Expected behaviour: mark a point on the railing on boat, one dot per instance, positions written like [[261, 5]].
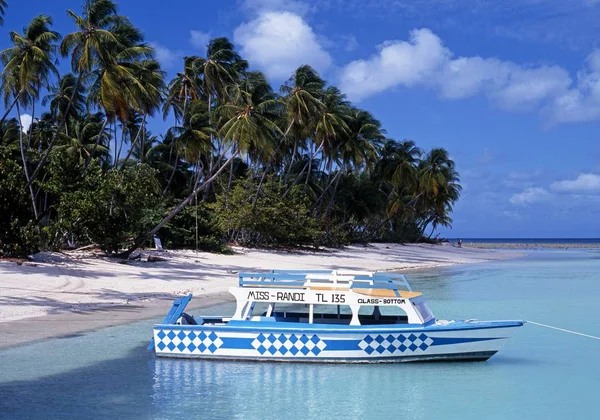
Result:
[[313, 279]]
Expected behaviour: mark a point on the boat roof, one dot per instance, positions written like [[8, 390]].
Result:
[[368, 283]]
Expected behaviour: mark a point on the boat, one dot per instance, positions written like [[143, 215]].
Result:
[[327, 316]]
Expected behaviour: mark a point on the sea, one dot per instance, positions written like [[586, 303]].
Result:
[[532, 241], [541, 373]]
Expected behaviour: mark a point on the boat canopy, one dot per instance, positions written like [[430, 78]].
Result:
[[329, 287]]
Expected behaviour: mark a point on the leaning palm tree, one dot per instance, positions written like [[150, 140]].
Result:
[[246, 127]]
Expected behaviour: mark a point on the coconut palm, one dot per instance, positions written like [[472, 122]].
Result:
[[302, 98], [66, 95], [94, 41], [90, 47], [80, 142], [185, 87], [438, 182], [358, 148], [29, 63]]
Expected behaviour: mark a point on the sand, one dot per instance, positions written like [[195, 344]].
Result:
[[59, 294]]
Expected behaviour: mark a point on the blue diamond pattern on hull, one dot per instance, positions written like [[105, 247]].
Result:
[[394, 343], [186, 341], [285, 344]]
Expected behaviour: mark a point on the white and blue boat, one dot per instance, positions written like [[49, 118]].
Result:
[[327, 316]]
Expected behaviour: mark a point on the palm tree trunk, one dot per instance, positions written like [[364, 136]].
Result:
[[100, 134], [299, 175], [143, 238], [332, 199], [118, 152], [310, 159], [134, 142], [328, 185], [172, 175], [292, 160], [24, 159], [29, 130], [56, 132]]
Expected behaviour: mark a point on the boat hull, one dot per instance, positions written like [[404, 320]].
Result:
[[269, 341]]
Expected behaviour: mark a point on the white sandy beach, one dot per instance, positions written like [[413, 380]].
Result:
[[74, 282]]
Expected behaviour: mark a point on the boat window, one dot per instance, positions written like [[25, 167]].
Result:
[[260, 308], [332, 314], [424, 310], [369, 315]]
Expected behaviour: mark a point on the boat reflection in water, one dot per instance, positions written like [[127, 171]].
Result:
[[230, 389]]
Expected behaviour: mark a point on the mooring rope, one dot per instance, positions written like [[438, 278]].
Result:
[[562, 329]]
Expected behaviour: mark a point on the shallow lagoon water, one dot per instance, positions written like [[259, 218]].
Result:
[[540, 374]]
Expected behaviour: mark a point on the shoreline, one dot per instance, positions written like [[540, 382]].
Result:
[[64, 294], [526, 246]]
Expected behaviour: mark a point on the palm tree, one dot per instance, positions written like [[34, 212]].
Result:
[[185, 87], [358, 149], [438, 182], [80, 142], [67, 95], [90, 47], [398, 162], [246, 128], [250, 120], [129, 82], [303, 93], [28, 67], [220, 69], [29, 63]]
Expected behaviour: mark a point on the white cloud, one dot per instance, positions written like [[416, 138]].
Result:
[[530, 196], [424, 60], [279, 42], [396, 63], [582, 101], [26, 120], [199, 39], [584, 183], [165, 56]]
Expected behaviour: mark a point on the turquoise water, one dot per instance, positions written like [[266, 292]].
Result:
[[540, 374]]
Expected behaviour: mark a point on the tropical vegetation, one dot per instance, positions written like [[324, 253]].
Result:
[[240, 162]]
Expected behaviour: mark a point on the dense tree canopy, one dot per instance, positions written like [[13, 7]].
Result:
[[240, 162]]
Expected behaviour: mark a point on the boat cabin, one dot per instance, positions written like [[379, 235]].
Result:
[[329, 297]]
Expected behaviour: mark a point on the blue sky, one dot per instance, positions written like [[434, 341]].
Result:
[[511, 89]]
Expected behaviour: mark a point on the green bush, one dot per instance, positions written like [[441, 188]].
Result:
[[111, 209], [19, 235], [180, 232], [273, 221]]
